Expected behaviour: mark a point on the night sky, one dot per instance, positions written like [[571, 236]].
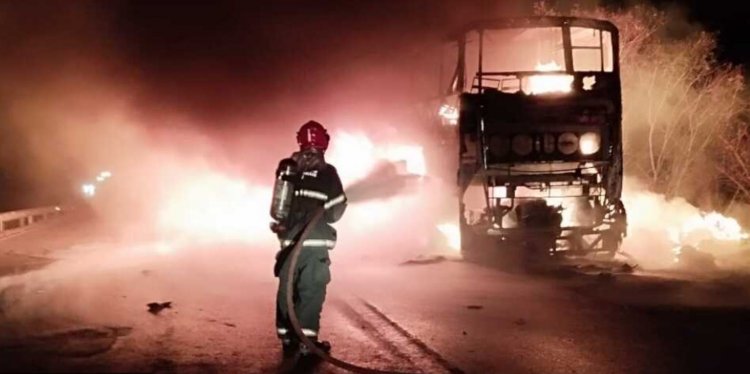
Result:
[[208, 57], [241, 33], [222, 60], [730, 19], [168, 30]]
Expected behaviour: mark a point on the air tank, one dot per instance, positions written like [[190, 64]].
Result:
[[283, 189]]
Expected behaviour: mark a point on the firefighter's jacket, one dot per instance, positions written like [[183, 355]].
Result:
[[313, 189]]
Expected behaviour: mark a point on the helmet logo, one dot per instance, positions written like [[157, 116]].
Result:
[[313, 135]]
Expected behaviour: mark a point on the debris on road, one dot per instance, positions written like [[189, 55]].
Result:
[[155, 308], [627, 268], [474, 307], [520, 322], [425, 260]]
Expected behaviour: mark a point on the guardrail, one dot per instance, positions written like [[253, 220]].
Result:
[[18, 221]]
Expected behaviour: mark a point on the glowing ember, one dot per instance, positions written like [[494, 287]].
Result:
[[549, 83], [452, 234]]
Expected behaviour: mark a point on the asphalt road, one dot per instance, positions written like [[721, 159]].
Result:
[[73, 299]]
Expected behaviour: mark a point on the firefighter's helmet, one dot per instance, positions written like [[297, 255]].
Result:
[[313, 135]]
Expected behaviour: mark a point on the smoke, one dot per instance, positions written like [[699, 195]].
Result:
[[48, 77], [679, 100], [191, 109], [191, 119]]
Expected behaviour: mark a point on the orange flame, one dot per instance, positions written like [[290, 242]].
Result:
[[449, 113], [549, 83], [452, 235]]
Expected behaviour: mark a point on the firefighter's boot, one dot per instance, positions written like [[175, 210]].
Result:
[[289, 346], [322, 345]]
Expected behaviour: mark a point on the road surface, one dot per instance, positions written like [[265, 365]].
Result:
[[73, 299]]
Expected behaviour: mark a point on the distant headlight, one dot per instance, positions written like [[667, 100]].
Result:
[[567, 143], [522, 145], [590, 143]]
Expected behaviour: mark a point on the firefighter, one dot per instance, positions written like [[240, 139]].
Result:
[[316, 184]]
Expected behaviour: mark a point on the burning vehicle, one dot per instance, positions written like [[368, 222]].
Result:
[[532, 109]]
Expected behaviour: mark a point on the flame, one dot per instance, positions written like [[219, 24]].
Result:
[[718, 226], [659, 227], [355, 155], [449, 113], [452, 234], [549, 83], [352, 154], [411, 155], [550, 66], [209, 206], [568, 212], [701, 227]]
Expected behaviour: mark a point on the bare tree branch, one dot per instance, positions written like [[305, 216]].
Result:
[[682, 114]]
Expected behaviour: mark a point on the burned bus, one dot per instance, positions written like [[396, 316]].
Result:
[[534, 108]]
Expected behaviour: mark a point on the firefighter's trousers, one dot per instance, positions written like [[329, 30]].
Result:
[[311, 279]]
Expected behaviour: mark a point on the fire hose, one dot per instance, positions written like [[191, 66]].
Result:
[[293, 256]]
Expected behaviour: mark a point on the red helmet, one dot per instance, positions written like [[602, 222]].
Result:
[[313, 135]]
